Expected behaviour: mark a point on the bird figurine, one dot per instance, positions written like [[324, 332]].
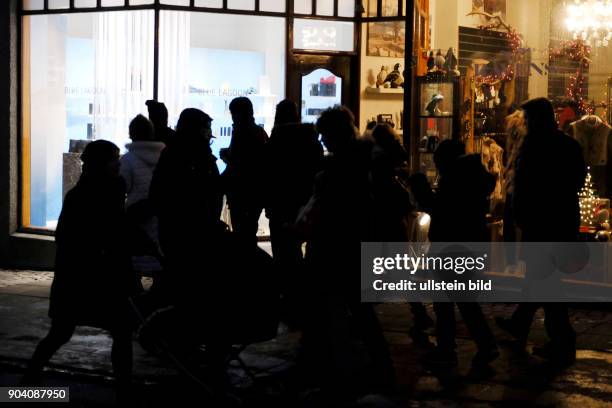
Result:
[[440, 61], [431, 62], [451, 62], [395, 78], [382, 75], [433, 107]]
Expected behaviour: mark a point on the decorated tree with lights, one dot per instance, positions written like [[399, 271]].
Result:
[[588, 201]]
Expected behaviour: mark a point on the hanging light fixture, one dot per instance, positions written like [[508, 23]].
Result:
[[590, 21]]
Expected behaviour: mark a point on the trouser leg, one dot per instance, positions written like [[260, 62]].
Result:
[[559, 328], [121, 354], [522, 318], [479, 329], [59, 334], [445, 325]]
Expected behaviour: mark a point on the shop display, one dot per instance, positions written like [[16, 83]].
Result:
[[382, 75], [438, 119], [321, 89], [433, 107], [595, 137], [395, 78]]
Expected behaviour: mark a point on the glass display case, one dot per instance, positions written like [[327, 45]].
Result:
[[321, 89], [437, 120]]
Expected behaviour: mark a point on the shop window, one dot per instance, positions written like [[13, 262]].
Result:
[[140, 2], [113, 3], [85, 76], [346, 8], [209, 3], [59, 4], [245, 57], [272, 5], [33, 4], [325, 7], [84, 3], [176, 2], [388, 8], [241, 4], [302, 7], [323, 35]]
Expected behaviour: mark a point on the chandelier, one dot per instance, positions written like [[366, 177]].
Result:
[[590, 21]]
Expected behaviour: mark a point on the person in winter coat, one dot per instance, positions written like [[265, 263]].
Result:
[[294, 157], [341, 219], [458, 214], [393, 205], [93, 278], [244, 177], [186, 197], [550, 167], [137, 167]]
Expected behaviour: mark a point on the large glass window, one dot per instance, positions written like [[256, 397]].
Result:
[[85, 76], [323, 35]]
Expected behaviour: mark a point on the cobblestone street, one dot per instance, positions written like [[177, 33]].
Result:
[[84, 363]]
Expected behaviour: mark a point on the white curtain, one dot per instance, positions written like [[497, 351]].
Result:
[[174, 43], [123, 71]]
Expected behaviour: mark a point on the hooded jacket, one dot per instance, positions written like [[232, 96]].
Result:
[[137, 168]]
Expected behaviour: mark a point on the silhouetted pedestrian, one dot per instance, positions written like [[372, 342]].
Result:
[[340, 216], [550, 167], [244, 178], [137, 167], [158, 115], [393, 205], [93, 277], [187, 197], [459, 215], [294, 157]]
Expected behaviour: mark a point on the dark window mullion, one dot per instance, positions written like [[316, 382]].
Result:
[[256, 5], [314, 8], [335, 8], [224, 5], [46, 4]]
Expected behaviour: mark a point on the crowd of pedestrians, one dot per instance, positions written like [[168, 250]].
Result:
[[159, 207]]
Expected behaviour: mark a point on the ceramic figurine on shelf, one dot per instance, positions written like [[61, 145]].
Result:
[[382, 75], [440, 61], [431, 62], [451, 62], [395, 78], [433, 107]]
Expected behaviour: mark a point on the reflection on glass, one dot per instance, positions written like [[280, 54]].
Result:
[[321, 89], [86, 82]]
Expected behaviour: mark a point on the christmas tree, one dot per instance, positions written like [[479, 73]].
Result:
[[588, 201]]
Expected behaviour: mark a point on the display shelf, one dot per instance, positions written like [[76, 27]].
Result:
[[381, 91]]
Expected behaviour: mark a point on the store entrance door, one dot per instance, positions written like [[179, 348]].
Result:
[[317, 82]]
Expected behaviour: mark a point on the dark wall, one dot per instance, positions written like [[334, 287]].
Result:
[[8, 124]]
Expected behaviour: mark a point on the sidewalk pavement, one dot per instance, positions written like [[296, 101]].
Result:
[[84, 363]]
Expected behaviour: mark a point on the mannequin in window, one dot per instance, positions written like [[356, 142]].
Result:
[[595, 137]]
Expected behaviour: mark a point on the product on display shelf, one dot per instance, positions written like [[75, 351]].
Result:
[[395, 78], [433, 107], [382, 75]]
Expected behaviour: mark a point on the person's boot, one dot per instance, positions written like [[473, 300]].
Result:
[[441, 357], [485, 356]]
